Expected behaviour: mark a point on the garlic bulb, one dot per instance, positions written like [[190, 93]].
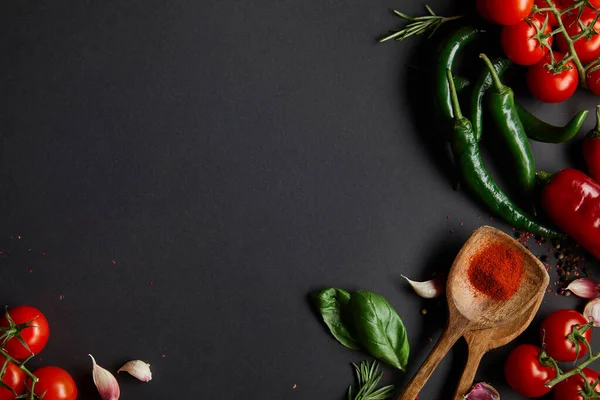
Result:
[[592, 311]]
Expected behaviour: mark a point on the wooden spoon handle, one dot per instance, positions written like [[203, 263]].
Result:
[[477, 349], [444, 344]]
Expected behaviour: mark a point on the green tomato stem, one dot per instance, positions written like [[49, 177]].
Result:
[[570, 42], [560, 376], [21, 365]]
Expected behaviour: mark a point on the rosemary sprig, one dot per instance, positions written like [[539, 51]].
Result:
[[419, 25], [368, 378]]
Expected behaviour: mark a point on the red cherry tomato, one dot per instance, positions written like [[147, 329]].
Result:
[[483, 11], [519, 44], [592, 80], [552, 21], [36, 335], [56, 383], [587, 49], [554, 331], [569, 388], [14, 377], [525, 374], [505, 12], [548, 86]]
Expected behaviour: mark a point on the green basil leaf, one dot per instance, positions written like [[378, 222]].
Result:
[[333, 305], [379, 328]]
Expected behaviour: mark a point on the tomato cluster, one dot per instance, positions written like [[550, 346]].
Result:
[[527, 368], [26, 332], [528, 39]]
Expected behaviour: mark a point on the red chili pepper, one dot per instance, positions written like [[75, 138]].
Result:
[[591, 149], [572, 200]]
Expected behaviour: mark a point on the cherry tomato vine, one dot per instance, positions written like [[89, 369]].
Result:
[[585, 31], [24, 332], [577, 336], [532, 371], [529, 30], [10, 334]]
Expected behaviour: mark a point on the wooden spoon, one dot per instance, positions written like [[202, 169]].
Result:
[[481, 341], [470, 310]]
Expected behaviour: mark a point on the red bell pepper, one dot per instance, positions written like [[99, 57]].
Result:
[[591, 149], [572, 200]]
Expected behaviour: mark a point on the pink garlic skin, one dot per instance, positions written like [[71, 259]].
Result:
[[105, 382], [482, 391], [585, 288]]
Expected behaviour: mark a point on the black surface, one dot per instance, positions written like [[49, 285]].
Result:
[[184, 173]]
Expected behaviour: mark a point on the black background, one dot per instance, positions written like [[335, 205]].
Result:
[[177, 176]]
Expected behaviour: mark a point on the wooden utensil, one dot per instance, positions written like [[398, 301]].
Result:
[[481, 341], [470, 310]]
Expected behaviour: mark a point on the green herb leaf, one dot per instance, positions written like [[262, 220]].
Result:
[[368, 378], [379, 328], [333, 305]]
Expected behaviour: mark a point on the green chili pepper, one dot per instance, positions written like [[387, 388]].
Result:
[[445, 58], [480, 88], [476, 177], [501, 101], [535, 128], [543, 132]]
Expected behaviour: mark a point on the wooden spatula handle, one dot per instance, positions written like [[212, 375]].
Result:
[[476, 351], [450, 335]]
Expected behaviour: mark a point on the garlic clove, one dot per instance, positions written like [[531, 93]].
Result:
[[585, 288], [592, 311], [482, 391], [428, 289], [105, 382], [138, 369]]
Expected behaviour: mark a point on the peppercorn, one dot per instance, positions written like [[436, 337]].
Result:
[[562, 274]]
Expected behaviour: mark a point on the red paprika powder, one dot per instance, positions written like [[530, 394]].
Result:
[[496, 271]]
